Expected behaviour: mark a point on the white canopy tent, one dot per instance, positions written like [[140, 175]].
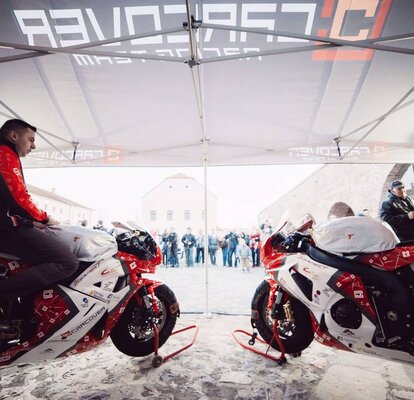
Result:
[[309, 81], [197, 82]]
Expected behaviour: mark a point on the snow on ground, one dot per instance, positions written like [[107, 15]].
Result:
[[216, 367]]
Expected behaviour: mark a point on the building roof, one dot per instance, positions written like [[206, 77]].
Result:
[[53, 196], [179, 175]]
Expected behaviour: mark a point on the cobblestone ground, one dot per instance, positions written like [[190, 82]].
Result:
[[216, 367]]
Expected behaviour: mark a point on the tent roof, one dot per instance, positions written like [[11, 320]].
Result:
[[118, 83]]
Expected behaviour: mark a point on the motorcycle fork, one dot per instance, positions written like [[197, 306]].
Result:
[[280, 310], [147, 298]]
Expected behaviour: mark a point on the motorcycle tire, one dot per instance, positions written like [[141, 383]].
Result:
[[295, 337], [133, 334]]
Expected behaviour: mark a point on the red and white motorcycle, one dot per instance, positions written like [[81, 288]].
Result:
[[349, 284], [108, 296]]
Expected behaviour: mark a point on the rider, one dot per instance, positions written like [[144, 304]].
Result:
[[22, 223]]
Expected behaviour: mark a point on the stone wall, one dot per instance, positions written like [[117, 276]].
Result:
[[361, 186]]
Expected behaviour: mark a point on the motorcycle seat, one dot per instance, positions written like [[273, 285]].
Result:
[[335, 261]]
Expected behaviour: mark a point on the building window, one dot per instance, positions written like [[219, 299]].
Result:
[[187, 215], [153, 215], [169, 215], [203, 214]]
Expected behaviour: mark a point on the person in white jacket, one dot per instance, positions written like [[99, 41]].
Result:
[[244, 254]]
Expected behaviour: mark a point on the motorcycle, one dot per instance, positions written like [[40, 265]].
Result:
[[359, 301], [107, 296]]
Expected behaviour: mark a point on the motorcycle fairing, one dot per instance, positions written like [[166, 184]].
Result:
[[323, 296], [70, 315], [324, 278], [389, 260]]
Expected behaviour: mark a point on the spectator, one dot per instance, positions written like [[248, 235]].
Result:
[[200, 247], [164, 247], [233, 242], [398, 211], [99, 226], [212, 246], [244, 255], [224, 246], [266, 230], [189, 241], [172, 244], [255, 245]]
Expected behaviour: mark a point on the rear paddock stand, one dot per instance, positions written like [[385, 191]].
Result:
[[253, 338], [159, 360]]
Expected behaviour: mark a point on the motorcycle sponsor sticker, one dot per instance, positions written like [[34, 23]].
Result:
[[327, 291], [108, 286], [40, 335], [85, 302], [48, 294], [5, 358], [100, 296], [316, 298], [13, 265], [66, 312], [406, 254], [112, 270], [358, 294], [83, 324], [133, 265], [25, 344]]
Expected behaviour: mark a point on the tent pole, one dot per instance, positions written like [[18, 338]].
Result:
[[196, 72], [206, 252]]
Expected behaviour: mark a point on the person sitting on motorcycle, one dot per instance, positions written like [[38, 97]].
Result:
[[22, 223], [398, 211]]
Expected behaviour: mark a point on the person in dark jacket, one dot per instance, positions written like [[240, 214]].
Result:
[[172, 243], [398, 211], [233, 240], [22, 223], [189, 241]]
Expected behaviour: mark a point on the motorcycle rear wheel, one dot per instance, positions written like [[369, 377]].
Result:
[[295, 336], [133, 334]]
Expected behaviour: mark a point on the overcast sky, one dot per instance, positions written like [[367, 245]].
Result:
[[242, 192]]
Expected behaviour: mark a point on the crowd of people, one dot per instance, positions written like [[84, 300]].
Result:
[[228, 248]]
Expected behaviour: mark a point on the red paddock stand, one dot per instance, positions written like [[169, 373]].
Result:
[[253, 337], [158, 360]]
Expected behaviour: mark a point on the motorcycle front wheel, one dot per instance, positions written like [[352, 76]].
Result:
[[295, 329], [134, 335]]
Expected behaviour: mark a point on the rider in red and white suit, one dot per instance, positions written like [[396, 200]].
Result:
[[22, 223]]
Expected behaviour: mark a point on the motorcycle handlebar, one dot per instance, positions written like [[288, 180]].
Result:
[[297, 242]]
